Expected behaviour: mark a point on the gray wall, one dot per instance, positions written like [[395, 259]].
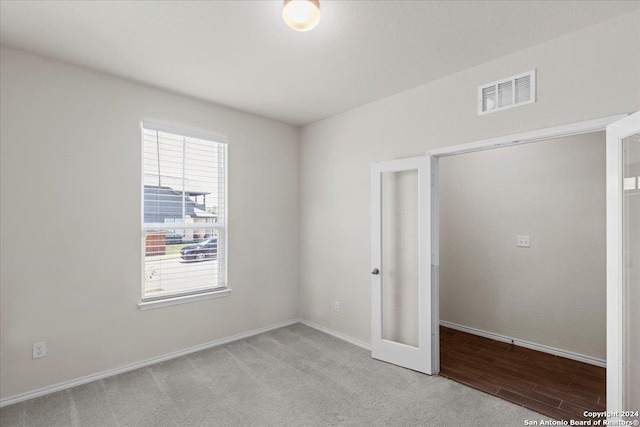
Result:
[[71, 200], [553, 293], [585, 75]]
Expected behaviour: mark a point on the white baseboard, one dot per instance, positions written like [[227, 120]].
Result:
[[533, 346], [132, 366], [136, 365], [336, 334]]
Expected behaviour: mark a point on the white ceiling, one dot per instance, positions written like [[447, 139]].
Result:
[[241, 54]]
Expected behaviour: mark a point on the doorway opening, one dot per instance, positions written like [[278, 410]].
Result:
[[522, 263], [389, 281], [523, 273]]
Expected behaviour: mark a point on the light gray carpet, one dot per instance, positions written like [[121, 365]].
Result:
[[294, 376]]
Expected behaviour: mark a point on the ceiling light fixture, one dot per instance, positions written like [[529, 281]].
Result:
[[301, 15]]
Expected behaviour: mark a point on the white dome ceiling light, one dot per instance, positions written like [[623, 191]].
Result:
[[301, 15]]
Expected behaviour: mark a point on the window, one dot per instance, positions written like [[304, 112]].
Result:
[[184, 218]]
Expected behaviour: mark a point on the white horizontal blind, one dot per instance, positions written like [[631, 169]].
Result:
[[184, 214]]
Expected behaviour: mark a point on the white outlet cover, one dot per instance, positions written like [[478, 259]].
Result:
[[39, 350], [523, 242]]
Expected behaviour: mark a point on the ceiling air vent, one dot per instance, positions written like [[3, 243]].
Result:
[[507, 93]]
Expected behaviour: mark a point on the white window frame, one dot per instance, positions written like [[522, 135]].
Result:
[[188, 295]]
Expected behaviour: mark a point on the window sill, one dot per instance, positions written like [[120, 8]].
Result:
[[148, 305]]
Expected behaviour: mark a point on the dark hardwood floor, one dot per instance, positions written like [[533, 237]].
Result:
[[551, 385]]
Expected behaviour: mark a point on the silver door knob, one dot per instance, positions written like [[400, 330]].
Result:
[[375, 271]]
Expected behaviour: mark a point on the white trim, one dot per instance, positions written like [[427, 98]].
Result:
[[527, 344], [136, 365], [339, 335], [143, 239], [528, 137], [616, 304], [185, 131], [183, 299]]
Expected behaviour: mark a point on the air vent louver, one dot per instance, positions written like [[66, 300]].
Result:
[[488, 98], [507, 93], [523, 89]]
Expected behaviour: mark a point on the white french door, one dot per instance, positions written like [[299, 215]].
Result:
[[402, 324]]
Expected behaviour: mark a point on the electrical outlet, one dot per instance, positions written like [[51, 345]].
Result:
[[39, 350], [523, 242], [336, 306]]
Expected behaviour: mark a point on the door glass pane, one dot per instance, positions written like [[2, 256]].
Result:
[[631, 257], [400, 202]]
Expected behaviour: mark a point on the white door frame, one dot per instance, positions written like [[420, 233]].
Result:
[[616, 307], [418, 358], [614, 303]]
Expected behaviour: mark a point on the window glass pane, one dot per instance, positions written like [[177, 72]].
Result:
[[183, 178], [172, 266], [184, 235], [631, 253], [400, 264]]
